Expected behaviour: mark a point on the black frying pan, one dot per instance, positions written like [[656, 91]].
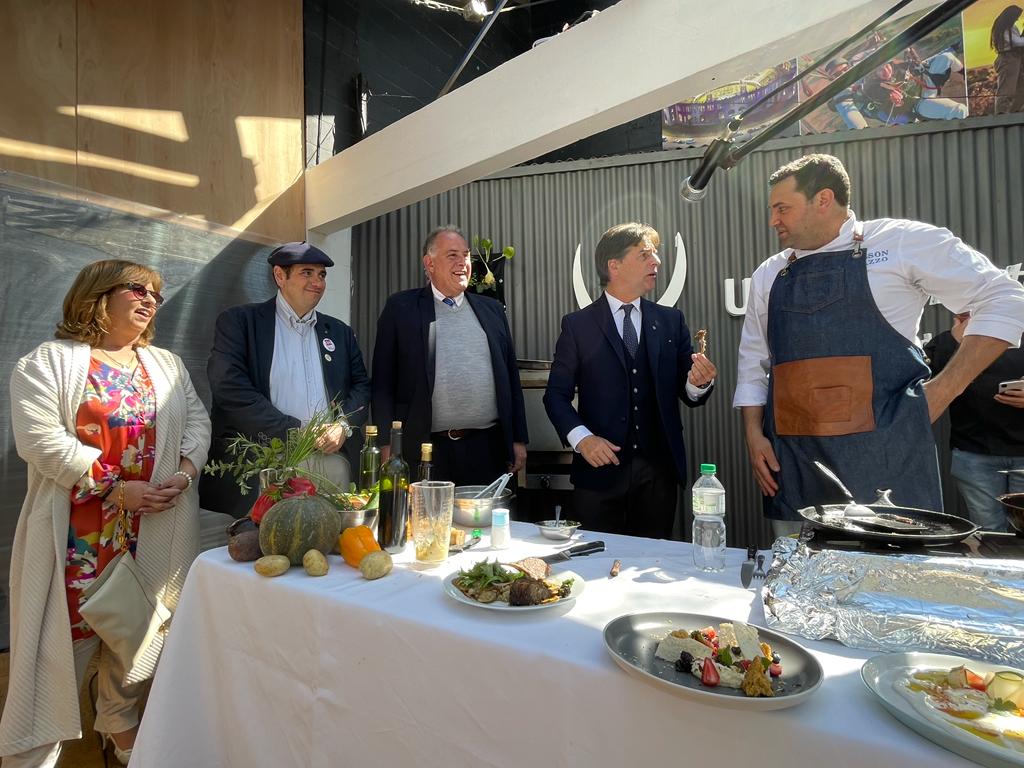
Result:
[[891, 525]]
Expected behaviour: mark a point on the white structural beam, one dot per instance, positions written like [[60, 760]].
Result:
[[637, 57]]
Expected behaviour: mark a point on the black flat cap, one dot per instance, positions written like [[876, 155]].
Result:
[[298, 253]]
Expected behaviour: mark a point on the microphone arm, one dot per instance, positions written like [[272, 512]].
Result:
[[722, 153], [694, 187]]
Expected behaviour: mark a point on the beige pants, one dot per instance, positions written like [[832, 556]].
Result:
[[117, 706]]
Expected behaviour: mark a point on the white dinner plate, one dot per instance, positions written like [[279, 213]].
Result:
[[633, 640], [574, 591], [879, 673]]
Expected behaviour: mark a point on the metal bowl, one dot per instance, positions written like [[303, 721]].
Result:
[[561, 530], [1013, 503], [350, 518], [476, 513]]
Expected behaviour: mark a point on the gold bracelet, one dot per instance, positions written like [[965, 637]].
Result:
[[122, 513]]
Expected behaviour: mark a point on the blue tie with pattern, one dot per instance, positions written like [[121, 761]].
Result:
[[628, 331], [449, 301]]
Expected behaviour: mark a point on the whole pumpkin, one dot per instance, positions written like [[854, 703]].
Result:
[[298, 524]]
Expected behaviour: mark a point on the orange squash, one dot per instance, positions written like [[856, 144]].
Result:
[[355, 543]]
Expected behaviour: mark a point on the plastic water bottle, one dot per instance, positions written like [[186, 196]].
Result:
[[708, 521]]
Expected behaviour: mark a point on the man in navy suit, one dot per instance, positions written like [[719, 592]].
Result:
[[631, 362], [445, 366], [274, 365]]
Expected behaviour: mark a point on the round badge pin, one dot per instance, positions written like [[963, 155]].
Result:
[[328, 345], [327, 358]]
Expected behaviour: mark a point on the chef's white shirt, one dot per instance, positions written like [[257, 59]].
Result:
[[297, 385], [907, 262]]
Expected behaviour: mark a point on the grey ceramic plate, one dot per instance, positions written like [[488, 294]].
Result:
[[880, 672], [632, 641]]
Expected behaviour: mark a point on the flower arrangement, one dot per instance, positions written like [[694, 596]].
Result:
[[485, 263]]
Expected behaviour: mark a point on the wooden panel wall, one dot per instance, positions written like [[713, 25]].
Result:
[[37, 60], [194, 107]]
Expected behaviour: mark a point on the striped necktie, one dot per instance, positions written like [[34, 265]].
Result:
[[449, 301]]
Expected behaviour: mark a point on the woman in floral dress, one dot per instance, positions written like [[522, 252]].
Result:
[[114, 435]]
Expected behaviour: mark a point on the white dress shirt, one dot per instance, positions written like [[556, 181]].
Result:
[[907, 262], [297, 385], [458, 299], [618, 316]]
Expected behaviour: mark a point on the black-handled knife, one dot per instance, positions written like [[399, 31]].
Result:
[[579, 550]]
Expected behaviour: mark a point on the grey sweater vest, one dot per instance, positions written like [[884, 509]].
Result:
[[464, 396]]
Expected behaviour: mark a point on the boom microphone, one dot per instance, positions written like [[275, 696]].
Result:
[[694, 186]]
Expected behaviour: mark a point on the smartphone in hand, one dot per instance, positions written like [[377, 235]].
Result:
[[1011, 386]]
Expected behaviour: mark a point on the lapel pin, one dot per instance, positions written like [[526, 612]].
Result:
[[328, 345], [327, 358]]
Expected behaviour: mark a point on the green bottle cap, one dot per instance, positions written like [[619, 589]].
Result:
[[708, 468]]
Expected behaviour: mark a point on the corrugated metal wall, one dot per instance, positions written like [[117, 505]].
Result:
[[966, 176]]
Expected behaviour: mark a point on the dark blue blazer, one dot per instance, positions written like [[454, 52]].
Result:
[[239, 375], [590, 361], [403, 377]]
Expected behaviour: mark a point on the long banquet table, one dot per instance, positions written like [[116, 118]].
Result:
[[340, 671]]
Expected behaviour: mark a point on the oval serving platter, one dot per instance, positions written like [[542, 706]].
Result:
[[633, 639]]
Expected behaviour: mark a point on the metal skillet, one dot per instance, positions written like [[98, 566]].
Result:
[[891, 524]]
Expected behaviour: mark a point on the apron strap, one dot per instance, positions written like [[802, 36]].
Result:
[[858, 239]]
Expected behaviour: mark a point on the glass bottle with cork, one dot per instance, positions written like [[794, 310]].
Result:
[[393, 517], [369, 461], [426, 469]]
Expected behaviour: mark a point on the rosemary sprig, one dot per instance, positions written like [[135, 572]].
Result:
[[250, 457]]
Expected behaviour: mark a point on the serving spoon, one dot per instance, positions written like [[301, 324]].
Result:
[[853, 509]]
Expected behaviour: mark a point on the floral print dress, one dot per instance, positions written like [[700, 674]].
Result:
[[117, 415]]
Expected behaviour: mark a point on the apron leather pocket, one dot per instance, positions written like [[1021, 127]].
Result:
[[823, 396]]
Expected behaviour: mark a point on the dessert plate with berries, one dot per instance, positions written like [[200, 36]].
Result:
[[721, 662]]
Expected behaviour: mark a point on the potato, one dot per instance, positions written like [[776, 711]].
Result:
[[245, 547], [375, 565], [272, 565], [315, 563]]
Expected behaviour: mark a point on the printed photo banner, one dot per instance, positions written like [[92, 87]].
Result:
[[953, 72]]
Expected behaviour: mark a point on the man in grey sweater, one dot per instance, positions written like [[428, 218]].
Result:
[[445, 366]]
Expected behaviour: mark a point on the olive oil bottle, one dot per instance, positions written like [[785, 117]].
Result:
[[392, 528], [369, 461], [426, 470]]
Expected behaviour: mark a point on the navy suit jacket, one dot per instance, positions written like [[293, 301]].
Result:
[[403, 377], [590, 360], [239, 375]]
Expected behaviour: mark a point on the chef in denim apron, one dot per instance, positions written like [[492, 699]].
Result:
[[829, 369], [845, 389]]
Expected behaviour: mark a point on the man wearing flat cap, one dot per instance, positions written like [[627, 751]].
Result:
[[274, 365]]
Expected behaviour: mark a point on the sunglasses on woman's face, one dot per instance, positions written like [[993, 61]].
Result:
[[141, 292]]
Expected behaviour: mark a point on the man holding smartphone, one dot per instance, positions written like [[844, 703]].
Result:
[[987, 428]]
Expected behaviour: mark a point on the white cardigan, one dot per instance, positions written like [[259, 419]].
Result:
[[46, 389]]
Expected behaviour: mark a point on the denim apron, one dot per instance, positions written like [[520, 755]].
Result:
[[845, 389]]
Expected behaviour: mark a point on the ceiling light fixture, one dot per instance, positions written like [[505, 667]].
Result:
[[475, 10]]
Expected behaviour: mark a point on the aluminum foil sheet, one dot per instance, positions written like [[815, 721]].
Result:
[[966, 606]]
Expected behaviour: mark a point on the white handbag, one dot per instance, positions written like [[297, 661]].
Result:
[[122, 613]]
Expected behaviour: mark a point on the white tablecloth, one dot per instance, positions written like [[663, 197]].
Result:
[[339, 671]]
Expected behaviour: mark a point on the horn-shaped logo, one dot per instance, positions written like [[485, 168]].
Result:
[[668, 299]]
